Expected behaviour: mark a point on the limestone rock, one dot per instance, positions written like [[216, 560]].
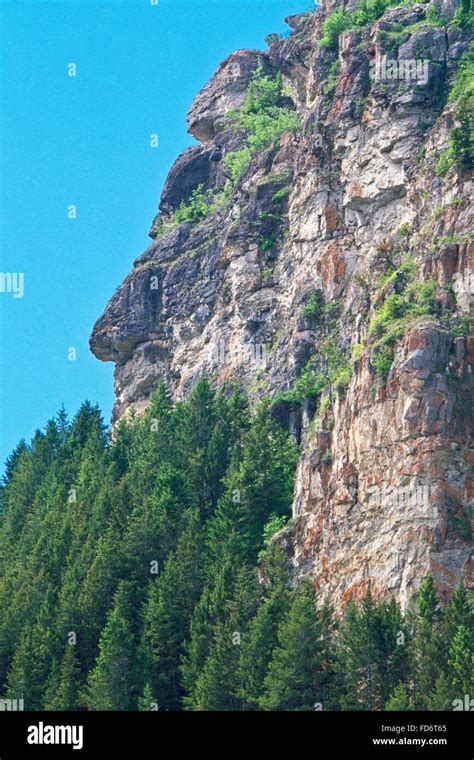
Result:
[[225, 92], [384, 489]]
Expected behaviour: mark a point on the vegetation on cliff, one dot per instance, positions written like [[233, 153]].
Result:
[[263, 117], [461, 148]]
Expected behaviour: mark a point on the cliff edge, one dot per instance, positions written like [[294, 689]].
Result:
[[316, 247]]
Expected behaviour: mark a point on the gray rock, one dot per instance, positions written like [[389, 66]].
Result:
[[315, 212]]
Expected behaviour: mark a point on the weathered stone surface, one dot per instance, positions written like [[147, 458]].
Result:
[[225, 92], [384, 511], [385, 480]]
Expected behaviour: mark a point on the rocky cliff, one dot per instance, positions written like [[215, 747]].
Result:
[[333, 274]]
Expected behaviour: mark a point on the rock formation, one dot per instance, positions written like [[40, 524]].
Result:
[[323, 222]]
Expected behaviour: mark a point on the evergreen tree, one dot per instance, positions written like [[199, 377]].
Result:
[[33, 656], [397, 639], [427, 644], [258, 646], [459, 612], [218, 684], [97, 591], [399, 700], [461, 660], [63, 687], [155, 523], [195, 434], [13, 461], [21, 682], [259, 483], [297, 675], [86, 426], [168, 610], [371, 661], [146, 701], [208, 613], [442, 696], [112, 682]]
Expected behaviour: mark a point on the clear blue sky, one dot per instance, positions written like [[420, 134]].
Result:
[[85, 141]]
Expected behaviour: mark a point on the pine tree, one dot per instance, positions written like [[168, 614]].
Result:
[[155, 524], [63, 689], [197, 427], [33, 655], [259, 644], [426, 648], [218, 684], [168, 610], [147, 701], [259, 483], [461, 661], [193, 486], [266, 472], [13, 461], [459, 612], [21, 682], [97, 590], [442, 696], [399, 700], [208, 613], [62, 425], [111, 684], [297, 678], [370, 661], [392, 657], [232, 419], [86, 426]]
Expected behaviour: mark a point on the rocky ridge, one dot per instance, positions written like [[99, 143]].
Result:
[[288, 278]]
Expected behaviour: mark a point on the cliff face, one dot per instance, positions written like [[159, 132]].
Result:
[[297, 270]]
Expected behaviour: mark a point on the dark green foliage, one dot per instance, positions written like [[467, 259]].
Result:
[[299, 671], [459, 627], [168, 610], [426, 650], [262, 637], [373, 653], [13, 461], [112, 682], [61, 692], [128, 577], [459, 612], [219, 682]]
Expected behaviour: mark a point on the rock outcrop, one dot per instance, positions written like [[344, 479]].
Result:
[[384, 489]]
